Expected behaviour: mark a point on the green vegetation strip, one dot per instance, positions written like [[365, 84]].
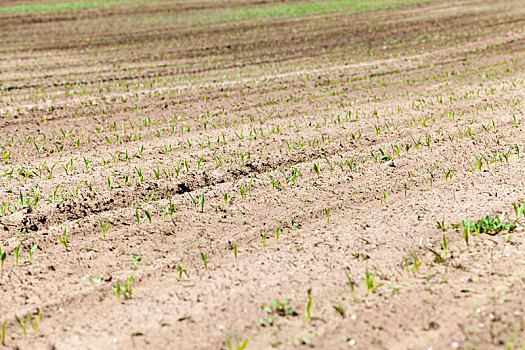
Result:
[[273, 11], [53, 7], [305, 8]]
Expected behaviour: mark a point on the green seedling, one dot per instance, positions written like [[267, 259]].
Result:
[[339, 309], [317, 168], [235, 251], [105, 227], [466, 231], [198, 203], [148, 215], [327, 213], [17, 253], [77, 190], [137, 216], [489, 225], [330, 166], [94, 280], [3, 257], [181, 269], [87, 161], [352, 285], [309, 308], [128, 287], [2, 334], [275, 182], [21, 199], [125, 292], [140, 174], [448, 174], [370, 281], [237, 344], [277, 234], [242, 191], [518, 210], [445, 245], [36, 322], [264, 236], [445, 225], [65, 238], [280, 308], [270, 321], [227, 199], [117, 291], [31, 251], [24, 324], [383, 197], [205, 259], [55, 193], [28, 321], [437, 257], [110, 183], [415, 260], [171, 209]]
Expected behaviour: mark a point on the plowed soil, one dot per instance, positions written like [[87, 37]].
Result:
[[291, 174]]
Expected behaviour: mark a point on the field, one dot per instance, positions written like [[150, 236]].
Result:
[[219, 174]]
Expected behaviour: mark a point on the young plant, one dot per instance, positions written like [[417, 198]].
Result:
[[327, 213], [317, 168], [117, 291], [383, 197], [415, 260], [519, 210], [277, 234], [2, 334], [370, 281], [110, 183], [437, 256], [24, 325], [205, 259], [140, 174], [352, 285], [309, 308], [3, 257], [128, 287], [490, 225], [125, 292], [137, 216], [148, 215], [171, 209], [36, 322], [264, 236], [466, 231], [237, 344], [31, 251], [445, 246], [275, 182], [105, 227], [198, 203], [65, 238], [280, 308], [17, 253]]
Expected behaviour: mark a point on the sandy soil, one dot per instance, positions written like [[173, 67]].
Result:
[[223, 180]]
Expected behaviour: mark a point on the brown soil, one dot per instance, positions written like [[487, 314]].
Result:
[[392, 107]]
